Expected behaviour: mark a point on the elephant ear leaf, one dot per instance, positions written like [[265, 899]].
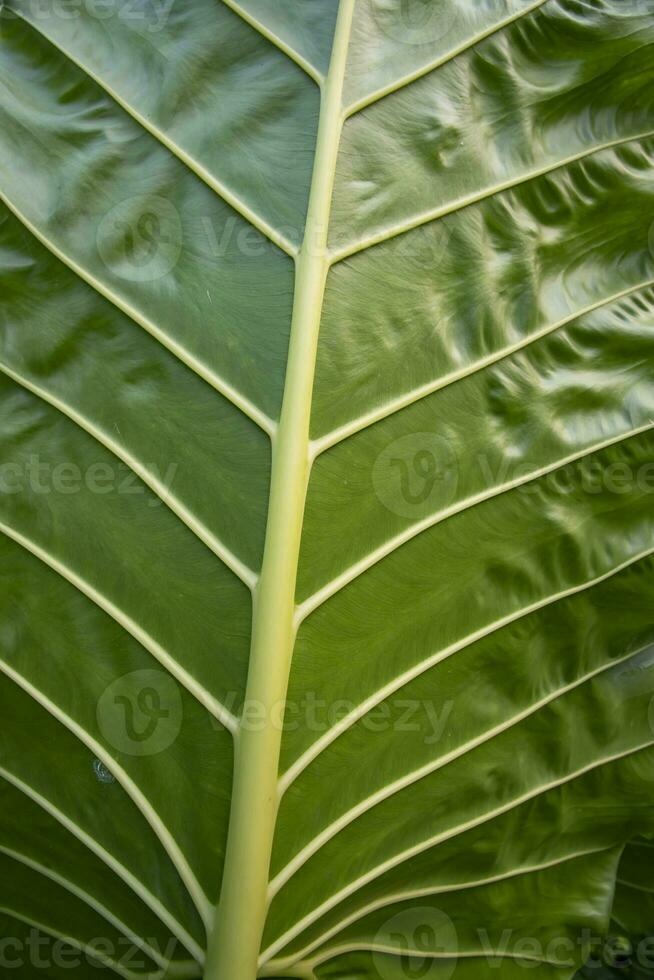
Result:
[[326, 526]]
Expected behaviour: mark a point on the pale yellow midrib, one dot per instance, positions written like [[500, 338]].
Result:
[[235, 939]]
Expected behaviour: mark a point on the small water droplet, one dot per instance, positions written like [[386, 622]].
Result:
[[102, 774]]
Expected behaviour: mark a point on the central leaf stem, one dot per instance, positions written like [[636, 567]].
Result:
[[235, 940]]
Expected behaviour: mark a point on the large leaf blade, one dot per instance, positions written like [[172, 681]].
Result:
[[491, 319]]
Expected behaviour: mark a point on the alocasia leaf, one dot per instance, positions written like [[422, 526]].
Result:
[[327, 552]]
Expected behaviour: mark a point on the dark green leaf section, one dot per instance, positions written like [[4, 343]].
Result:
[[499, 684], [470, 723], [131, 218], [31, 836], [627, 950], [127, 706], [48, 764], [393, 967], [31, 950], [71, 347], [475, 640], [122, 543], [512, 846], [399, 927], [633, 905], [45, 904]]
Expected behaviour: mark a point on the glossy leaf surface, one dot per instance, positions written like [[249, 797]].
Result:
[[327, 438]]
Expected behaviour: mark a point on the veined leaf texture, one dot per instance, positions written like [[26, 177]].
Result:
[[326, 490]]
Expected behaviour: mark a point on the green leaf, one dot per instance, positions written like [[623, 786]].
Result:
[[628, 949], [327, 553]]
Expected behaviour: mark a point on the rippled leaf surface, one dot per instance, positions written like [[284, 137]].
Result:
[[627, 951], [326, 524]]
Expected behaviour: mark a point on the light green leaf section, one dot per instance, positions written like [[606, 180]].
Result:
[[326, 482]]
